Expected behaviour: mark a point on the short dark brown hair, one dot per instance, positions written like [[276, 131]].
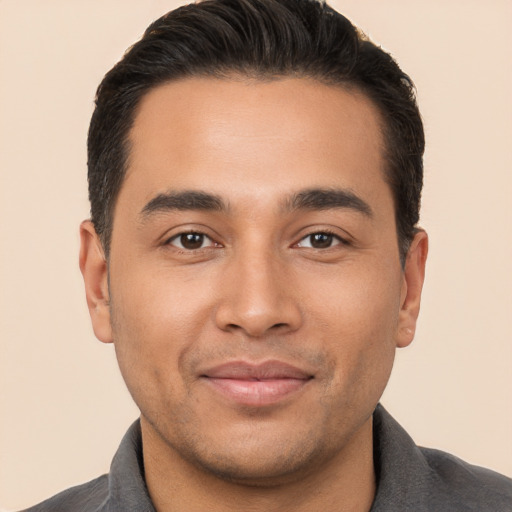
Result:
[[259, 39]]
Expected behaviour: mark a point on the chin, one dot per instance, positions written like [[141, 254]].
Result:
[[257, 458], [254, 471]]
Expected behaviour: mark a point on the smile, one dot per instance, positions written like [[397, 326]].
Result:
[[256, 385]]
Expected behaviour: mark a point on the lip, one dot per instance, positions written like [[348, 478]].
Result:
[[256, 385]]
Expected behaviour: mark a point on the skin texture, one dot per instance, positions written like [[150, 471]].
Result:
[[256, 288]]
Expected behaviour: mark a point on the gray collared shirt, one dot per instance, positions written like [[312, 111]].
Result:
[[410, 479]]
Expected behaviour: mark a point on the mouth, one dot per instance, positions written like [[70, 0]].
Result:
[[256, 384]]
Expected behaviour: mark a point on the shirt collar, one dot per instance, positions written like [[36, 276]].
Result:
[[127, 487]]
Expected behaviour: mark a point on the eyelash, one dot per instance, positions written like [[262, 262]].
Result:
[[331, 237], [180, 236]]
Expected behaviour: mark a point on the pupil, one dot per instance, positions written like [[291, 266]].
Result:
[[321, 240], [192, 240]]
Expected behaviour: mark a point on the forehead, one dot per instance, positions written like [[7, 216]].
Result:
[[267, 135]]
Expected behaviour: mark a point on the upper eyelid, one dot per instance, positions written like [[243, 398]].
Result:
[[323, 231], [188, 232], [184, 230]]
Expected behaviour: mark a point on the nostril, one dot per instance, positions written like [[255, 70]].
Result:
[[236, 327], [256, 319]]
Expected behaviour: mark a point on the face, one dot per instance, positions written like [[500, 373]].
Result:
[[255, 295]]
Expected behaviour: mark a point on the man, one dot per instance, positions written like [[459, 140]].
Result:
[[255, 172]]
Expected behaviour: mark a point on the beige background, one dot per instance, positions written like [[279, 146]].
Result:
[[63, 404]]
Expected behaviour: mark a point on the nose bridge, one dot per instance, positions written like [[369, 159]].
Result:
[[256, 297]]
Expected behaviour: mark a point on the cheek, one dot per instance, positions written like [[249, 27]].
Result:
[[359, 320], [155, 322], [362, 302], [159, 303]]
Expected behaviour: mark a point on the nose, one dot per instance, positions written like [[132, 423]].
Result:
[[258, 297]]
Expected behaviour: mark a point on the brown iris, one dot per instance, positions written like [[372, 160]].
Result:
[[321, 240], [192, 240]]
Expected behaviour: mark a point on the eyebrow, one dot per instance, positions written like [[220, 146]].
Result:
[[328, 198], [183, 200], [309, 199]]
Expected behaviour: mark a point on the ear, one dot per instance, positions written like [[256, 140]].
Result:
[[93, 266], [412, 284]]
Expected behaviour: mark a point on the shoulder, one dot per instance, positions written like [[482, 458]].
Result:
[[474, 487], [122, 489], [89, 497], [413, 478]]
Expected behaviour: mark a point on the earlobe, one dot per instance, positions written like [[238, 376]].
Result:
[[412, 285], [93, 266]]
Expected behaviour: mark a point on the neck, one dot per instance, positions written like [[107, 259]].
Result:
[[345, 483]]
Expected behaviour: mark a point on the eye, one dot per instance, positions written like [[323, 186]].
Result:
[[191, 241], [320, 240]]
